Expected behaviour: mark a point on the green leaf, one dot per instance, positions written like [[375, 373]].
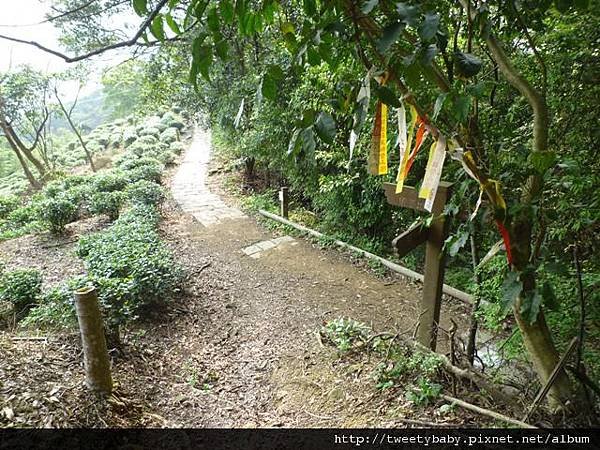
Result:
[[389, 36], [287, 28], [173, 3], [429, 26], [310, 7], [467, 65], [313, 57], [387, 96], [269, 87], [275, 72], [461, 108], [308, 118], [308, 140], [240, 9], [157, 28], [172, 24], [530, 307], [204, 59], [369, 5], [457, 242], [212, 20], [222, 49], [140, 7], [227, 11], [511, 289], [439, 103], [294, 143], [549, 296], [479, 90], [427, 54], [542, 161], [409, 14], [325, 127]]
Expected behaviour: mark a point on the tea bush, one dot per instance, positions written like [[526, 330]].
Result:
[[148, 172], [108, 203], [57, 212], [130, 264], [109, 181], [55, 308], [169, 135], [145, 193], [8, 204], [22, 288]]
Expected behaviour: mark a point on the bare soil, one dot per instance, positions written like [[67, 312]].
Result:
[[239, 348]]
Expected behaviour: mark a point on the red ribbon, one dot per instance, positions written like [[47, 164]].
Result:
[[506, 239]]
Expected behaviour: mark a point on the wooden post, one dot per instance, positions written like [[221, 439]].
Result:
[[432, 283], [95, 353], [284, 201], [434, 237]]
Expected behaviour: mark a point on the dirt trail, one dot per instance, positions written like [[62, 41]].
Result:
[[239, 348], [245, 345]]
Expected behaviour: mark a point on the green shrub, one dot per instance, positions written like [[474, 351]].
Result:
[[147, 140], [108, 203], [172, 120], [130, 163], [345, 334], [129, 137], [177, 147], [22, 288], [148, 172], [8, 204], [424, 393], [130, 264], [55, 308], [140, 150], [150, 131], [169, 135], [57, 212], [23, 215], [145, 193], [110, 181], [166, 157]]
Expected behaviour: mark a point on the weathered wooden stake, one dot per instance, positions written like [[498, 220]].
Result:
[[95, 353], [433, 237], [284, 201]]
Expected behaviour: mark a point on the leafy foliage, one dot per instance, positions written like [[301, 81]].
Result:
[[145, 193], [22, 288], [130, 264], [57, 212]]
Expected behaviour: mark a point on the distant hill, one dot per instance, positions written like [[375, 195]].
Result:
[[90, 112]]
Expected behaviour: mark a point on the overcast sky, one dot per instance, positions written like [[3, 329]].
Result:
[[18, 15], [20, 19]]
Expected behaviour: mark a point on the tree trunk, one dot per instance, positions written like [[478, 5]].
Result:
[[13, 145], [32, 181], [26, 151], [477, 298], [536, 336], [96, 361], [77, 133]]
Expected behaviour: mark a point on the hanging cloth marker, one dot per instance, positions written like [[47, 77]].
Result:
[[404, 152], [433, 173], [378, 154]]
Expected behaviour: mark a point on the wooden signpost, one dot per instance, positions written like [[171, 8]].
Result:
[[284, 201], [434, 237]]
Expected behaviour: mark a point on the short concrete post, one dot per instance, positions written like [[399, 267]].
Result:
[[93, 340], [284, 201]]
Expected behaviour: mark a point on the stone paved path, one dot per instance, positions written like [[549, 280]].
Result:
[[189, 185]]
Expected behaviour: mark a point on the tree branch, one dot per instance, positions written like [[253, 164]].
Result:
[[97, 51], [536, 100]]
